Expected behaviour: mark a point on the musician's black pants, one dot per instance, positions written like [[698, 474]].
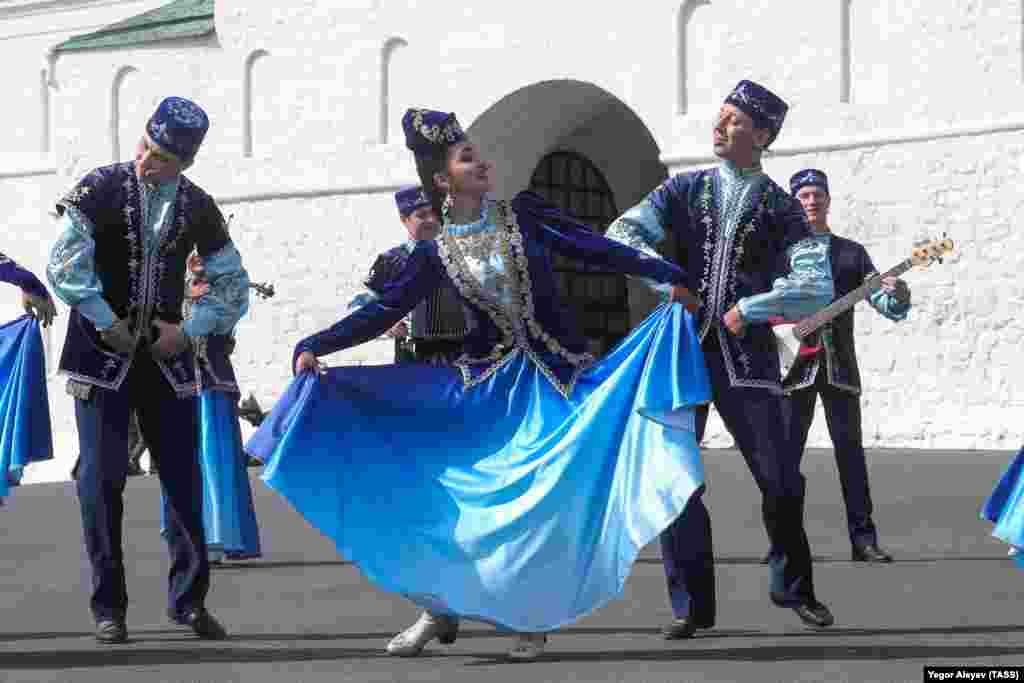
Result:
[[842, 414], [754, 417]]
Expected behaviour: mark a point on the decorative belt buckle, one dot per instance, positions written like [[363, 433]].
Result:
[[80, 390]]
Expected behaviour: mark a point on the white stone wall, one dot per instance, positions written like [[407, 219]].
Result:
[[916, 111]]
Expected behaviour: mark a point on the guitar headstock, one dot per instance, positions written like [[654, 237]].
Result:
[[263, 290], [926, 253]]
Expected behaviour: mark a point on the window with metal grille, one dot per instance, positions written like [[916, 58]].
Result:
[[599, 297]]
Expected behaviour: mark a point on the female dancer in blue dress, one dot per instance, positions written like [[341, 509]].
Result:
[[25, 434], [517, 487], [1005, 508], [229, 519]]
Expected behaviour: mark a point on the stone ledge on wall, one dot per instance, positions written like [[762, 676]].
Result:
[[699, 156]]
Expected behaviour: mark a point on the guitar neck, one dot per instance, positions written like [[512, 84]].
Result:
[[848, 301]]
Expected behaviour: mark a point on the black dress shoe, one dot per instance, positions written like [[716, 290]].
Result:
[[202, 623], [111, 631], [814, 614], [870, 553], [681, 629]]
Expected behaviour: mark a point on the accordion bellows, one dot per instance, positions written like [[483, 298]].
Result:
[[439, 316]]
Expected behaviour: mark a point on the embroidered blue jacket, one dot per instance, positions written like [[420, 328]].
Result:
[[725, 266], [139, 284], [539, 326]]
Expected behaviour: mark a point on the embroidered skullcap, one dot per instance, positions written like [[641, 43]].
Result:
[[179, 126], [765, 107], [428, 131], [808, 176], [411, 198]]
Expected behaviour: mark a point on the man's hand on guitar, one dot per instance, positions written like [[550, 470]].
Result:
[[399, 331], [898, 288], [682, 295], [733, 320], [306, 361]]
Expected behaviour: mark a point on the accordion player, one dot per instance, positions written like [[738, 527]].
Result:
[[436, 327]]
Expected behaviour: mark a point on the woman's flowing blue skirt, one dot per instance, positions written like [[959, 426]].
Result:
[[229, 519], [1005, 507], [25, 433], [504, 502]]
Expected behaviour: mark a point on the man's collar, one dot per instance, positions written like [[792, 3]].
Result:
[[735, 171], [162, 186]]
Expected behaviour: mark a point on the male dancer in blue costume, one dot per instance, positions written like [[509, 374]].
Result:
[[34, 297], [838, 383], [737, 232], [433, 332], [126, 232]]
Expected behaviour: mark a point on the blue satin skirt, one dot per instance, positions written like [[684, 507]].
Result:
[[25, 433], [1005, 507], [229, 519], [504, 502]]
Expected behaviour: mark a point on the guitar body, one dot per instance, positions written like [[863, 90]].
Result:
[[794, 344], [790, 347]]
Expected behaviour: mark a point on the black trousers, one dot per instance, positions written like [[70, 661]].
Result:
[[843, 416], [754, 417], [169, 426]]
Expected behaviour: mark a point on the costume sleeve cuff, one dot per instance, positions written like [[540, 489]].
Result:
[[97, 311]]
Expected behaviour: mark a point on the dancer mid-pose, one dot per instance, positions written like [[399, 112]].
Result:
[[126, 232], [517, 487], [736, 233], [1005, 507]]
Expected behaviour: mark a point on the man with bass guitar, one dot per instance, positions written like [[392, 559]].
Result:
[[831, 371]]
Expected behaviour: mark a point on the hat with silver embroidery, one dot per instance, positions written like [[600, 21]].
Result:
[[409, 199], [808, 176], [427, 131], [179, 126], [761, 104]]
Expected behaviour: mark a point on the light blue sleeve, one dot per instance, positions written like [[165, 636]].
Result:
[[220, 309], [71, 270], [641, 228], [360, 300], [886, 304], [807, 288]]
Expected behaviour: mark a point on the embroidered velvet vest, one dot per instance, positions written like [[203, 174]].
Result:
[[851, 265], [723, 269], [139, 284]]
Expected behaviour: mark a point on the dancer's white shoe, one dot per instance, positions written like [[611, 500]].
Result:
[[528, 646], [412, 640]]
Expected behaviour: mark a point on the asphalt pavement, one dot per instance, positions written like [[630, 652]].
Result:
[[304, 614]]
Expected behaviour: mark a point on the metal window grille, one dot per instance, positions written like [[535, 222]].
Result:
[[599, 297]]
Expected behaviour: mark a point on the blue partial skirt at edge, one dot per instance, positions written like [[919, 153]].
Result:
[[25, 432], [1005, 506], [504, 502], [229, 518]]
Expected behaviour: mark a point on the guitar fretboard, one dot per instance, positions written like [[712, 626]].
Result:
[[848, 301]]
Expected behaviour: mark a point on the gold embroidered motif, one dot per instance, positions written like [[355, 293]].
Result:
[[516, 322], [74, 196], [435, 134]]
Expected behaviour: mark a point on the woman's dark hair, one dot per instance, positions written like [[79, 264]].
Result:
[[426, 166]]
